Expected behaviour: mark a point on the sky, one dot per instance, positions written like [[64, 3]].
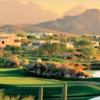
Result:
[[61, 6]]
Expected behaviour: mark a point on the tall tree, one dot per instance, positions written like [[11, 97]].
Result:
[[21, 34], [13, 49], [83, 43], [89, 52], [1, 55], [63, 49], [50, 48]]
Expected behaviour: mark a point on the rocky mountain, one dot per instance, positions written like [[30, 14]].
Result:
[[75, 11], [87, 22], [25, 29], [14, 12]]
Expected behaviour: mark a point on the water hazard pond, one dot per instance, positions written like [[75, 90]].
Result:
[[95, 73]]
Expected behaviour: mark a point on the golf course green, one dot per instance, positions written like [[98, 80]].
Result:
[[13, 81]]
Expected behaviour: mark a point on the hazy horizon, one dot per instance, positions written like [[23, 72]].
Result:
[[38, 11], [61, 6]]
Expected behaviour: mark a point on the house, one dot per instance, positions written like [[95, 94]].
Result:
[[97, 36], [96, 43], [9, 39], [37, 43], [48, 34], [70, 45], [39, 35]]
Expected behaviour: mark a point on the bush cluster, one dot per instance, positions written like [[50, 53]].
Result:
[[95, 66], [15, 61], [5, 97], [56, 70]]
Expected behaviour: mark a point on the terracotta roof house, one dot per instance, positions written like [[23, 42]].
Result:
[[9, 39]]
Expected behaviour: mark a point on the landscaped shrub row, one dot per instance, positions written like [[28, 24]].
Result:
[[14, 61], [56, 70], [92, 66], [95, 66]]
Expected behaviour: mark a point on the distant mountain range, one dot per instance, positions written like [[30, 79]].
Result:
[[18, 17], [87, 22], [25, 29], [14, 12], [75, 11]]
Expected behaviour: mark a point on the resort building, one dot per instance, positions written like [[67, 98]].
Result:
[[39, 35], [9, 39], [37, 43], [70, 45]]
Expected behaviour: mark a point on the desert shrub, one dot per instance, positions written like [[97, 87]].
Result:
[[72, 71], [83, 73], [56, 70], [5, 97], [24, 62], [28, 98], [95, 66], [7, 54], [12, 61]]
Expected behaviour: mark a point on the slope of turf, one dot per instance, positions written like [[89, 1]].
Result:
[[52, 91], [14, 82]]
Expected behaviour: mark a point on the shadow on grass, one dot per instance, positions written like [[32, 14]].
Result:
[[13, 73], [79, 91]]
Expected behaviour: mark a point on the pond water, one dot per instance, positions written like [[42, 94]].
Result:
[[96, 98], [95, 73]]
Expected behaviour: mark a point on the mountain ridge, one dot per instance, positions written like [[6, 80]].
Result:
[[14, 12], [77, 10], [87, 22], [25, 29]]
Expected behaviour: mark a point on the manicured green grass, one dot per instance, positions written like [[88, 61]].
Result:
[[76, 90], [58, 60], [51, 90], [14, 82], [84, 61], [93, 79], [80, 98], [32, 59], [43, 58], [16, 76]]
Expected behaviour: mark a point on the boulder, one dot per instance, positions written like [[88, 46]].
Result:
[[81, 77], [38, 61], [67, 76]]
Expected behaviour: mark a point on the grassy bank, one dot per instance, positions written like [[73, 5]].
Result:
[[14, 82], [53, 91]]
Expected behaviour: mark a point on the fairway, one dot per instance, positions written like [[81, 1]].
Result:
[[15, 76], [14, 82]]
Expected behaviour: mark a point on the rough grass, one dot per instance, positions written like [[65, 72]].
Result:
[[6, 97]]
